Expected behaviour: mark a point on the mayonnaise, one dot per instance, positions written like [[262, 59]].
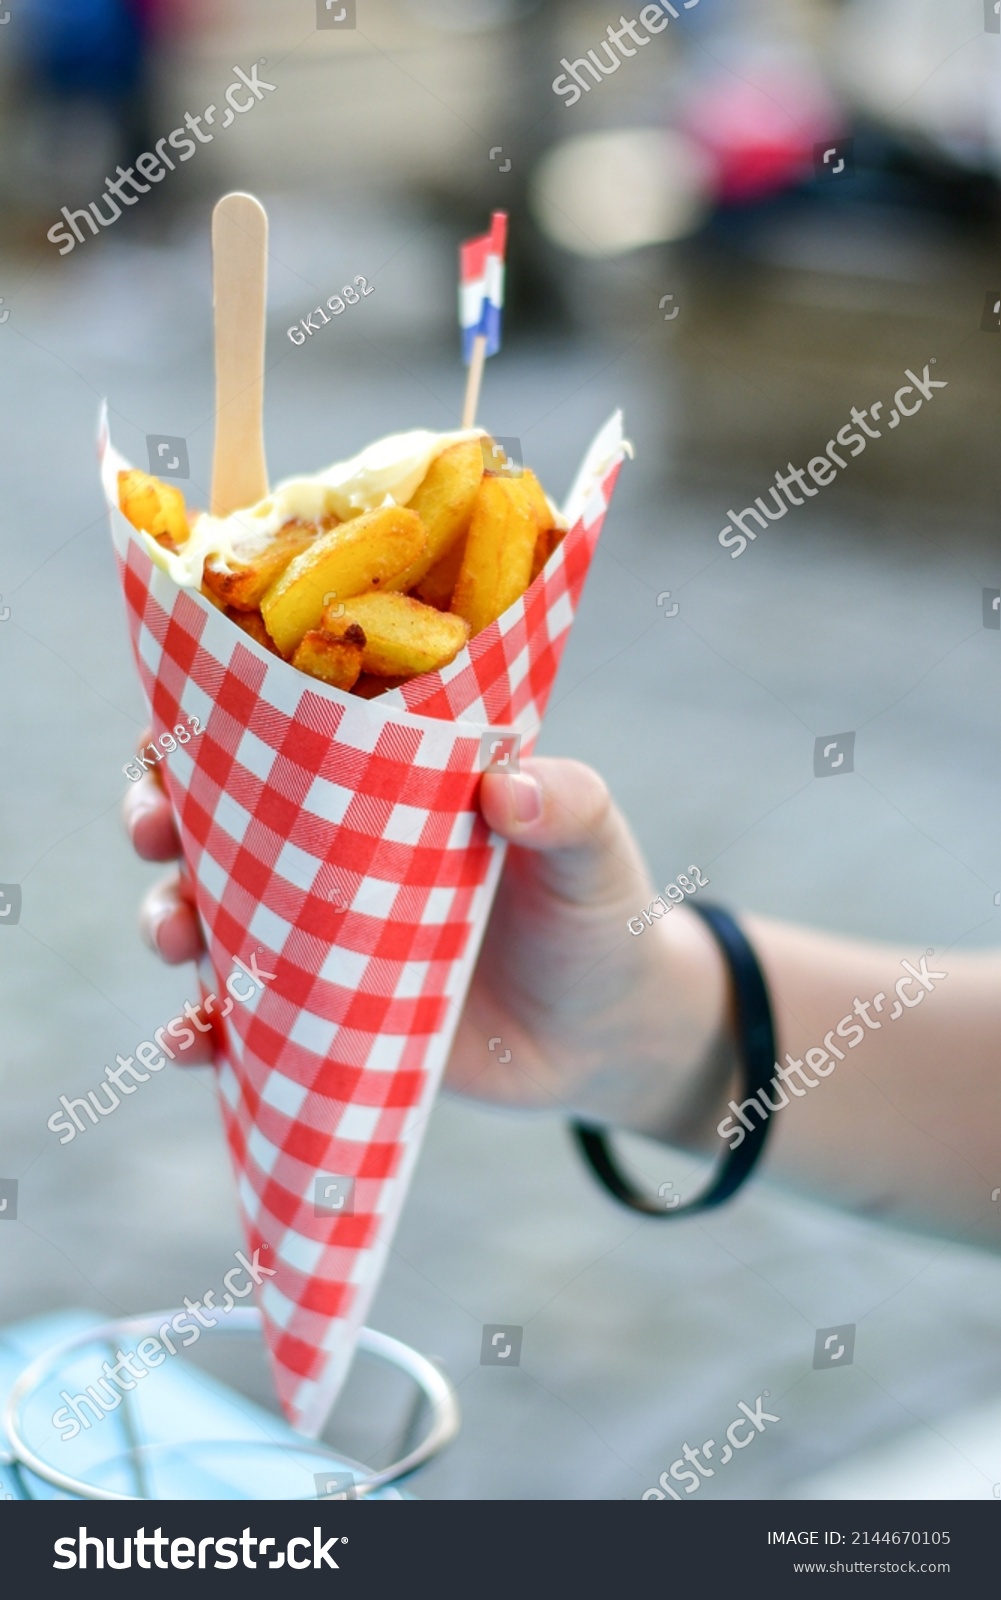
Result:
[[388, 472]]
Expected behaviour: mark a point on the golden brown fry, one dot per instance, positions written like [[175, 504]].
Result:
[[518, 552], [500, 546], [537, 498], [548, 536], [156, 508], [243, 584], [437, 587], [253, 623], [334, 661], [545, 545], [403, 637], [354, 557], [444, 502], [336, 624]]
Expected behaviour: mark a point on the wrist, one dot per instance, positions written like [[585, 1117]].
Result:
[[662, 1061], [753, 1031], [700, 1072]]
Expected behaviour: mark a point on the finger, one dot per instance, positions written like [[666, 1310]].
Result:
[[169, 924], [563, 810], [201, 1050], [146, 738], [149, 820]]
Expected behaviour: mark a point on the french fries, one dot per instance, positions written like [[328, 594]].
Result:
[[335, 659], [548, 537], [243, 584], [500, 546], [437, 588], [367, 603], [403, 637], [546, 543], [153, 507], [444, 502], [353, 557], [253, 623]]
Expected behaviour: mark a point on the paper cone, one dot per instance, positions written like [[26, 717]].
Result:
[[337, 841]]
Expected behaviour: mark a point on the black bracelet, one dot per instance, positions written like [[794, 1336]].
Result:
[[756, 1046]]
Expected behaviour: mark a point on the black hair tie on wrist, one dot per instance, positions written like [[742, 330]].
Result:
[[756, 1048]]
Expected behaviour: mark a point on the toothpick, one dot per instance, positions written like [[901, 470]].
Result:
[[475, 381]]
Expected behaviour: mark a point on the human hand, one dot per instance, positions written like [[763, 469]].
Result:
[[567, 1011]]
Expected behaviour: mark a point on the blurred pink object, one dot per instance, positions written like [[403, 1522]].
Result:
[[760, 123]]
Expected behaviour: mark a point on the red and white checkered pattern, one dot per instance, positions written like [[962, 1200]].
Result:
[[338, 841]]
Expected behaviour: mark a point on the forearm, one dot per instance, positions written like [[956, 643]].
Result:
[[888, 1088]]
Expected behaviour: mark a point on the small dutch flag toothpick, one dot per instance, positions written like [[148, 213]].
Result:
[[481, 305]]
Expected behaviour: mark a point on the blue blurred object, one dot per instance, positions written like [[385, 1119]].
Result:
[[181, 1436], [86, 47]]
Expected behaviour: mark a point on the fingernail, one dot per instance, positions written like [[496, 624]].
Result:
[[152, 926], [526, 798], [139, 811]]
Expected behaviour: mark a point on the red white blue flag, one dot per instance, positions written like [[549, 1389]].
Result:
[[481, 287]]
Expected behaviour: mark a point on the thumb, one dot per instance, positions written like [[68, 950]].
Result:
[[563, 811]]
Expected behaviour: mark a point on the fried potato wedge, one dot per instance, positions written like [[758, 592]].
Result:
[[549, 536], [537, 498], [500, 547], [444, 502], [253, 623], [243, 584], [334, 661], [154, 507], [437, 587], [404, 637], [518, 552], [358, 555], [546, 543]]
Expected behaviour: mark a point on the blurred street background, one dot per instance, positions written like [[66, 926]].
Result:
[[681, 248]]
